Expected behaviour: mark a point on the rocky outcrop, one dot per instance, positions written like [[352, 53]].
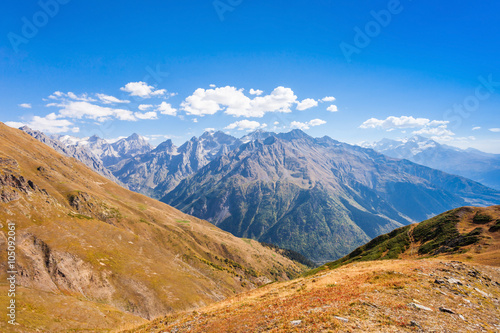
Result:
[[12, 186], [89, 207], [55, 271]]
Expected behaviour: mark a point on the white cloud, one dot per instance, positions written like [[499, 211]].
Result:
[[58, 95], [166, 108], [107, 99], [495, 130], [146, 115], [212, 85], [25, 105], [144, 107], [276, 123], [14, 124], [81, 110], [48, 124], [256, 92], [435, 131], [142, 89], [476, 128], [234, 102], [306, 104], [245, 124], [401, 122], [209, 129], [307, 125], [332, 108], [195, 120], [328, 99]]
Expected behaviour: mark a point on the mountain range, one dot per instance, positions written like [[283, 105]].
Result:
[[317, 196], [470, 163]]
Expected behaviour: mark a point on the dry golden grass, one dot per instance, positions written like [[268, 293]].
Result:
[[372, 296]]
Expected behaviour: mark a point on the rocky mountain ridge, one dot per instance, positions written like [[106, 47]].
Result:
[[470, 163], [318, 196]]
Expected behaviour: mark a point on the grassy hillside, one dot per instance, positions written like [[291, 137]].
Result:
[[86, 245], [467, 233], [376, 296], [409, 280]]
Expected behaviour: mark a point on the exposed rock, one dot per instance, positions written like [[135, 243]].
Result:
[[419, 306], [446, 310], [483, 293], [11, 186], [296, 322], [455, 281], [345, 320]]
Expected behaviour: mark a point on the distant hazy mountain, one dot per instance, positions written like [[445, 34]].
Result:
[[160, 170], [81, 153], [471, 163], [319, 197]]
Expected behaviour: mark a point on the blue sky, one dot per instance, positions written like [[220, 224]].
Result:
[[175, 68]]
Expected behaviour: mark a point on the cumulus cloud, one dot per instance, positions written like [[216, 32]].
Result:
[[437, 129], [328, 99], [434, 131], [401, 122], [332, 108], [257, 92], [48, 124], [306, 104], [80, 110], [14, 124], [144, 107], [59, 95], [142, 89], [307, 125], [495, 130], [146, 115], [107, 99], [234, 102], [245, 124], [209, 129], [25, 105], [166, 108]]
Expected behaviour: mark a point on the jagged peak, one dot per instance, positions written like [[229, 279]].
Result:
[[134, 136], [294, 134], [167, 145]]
